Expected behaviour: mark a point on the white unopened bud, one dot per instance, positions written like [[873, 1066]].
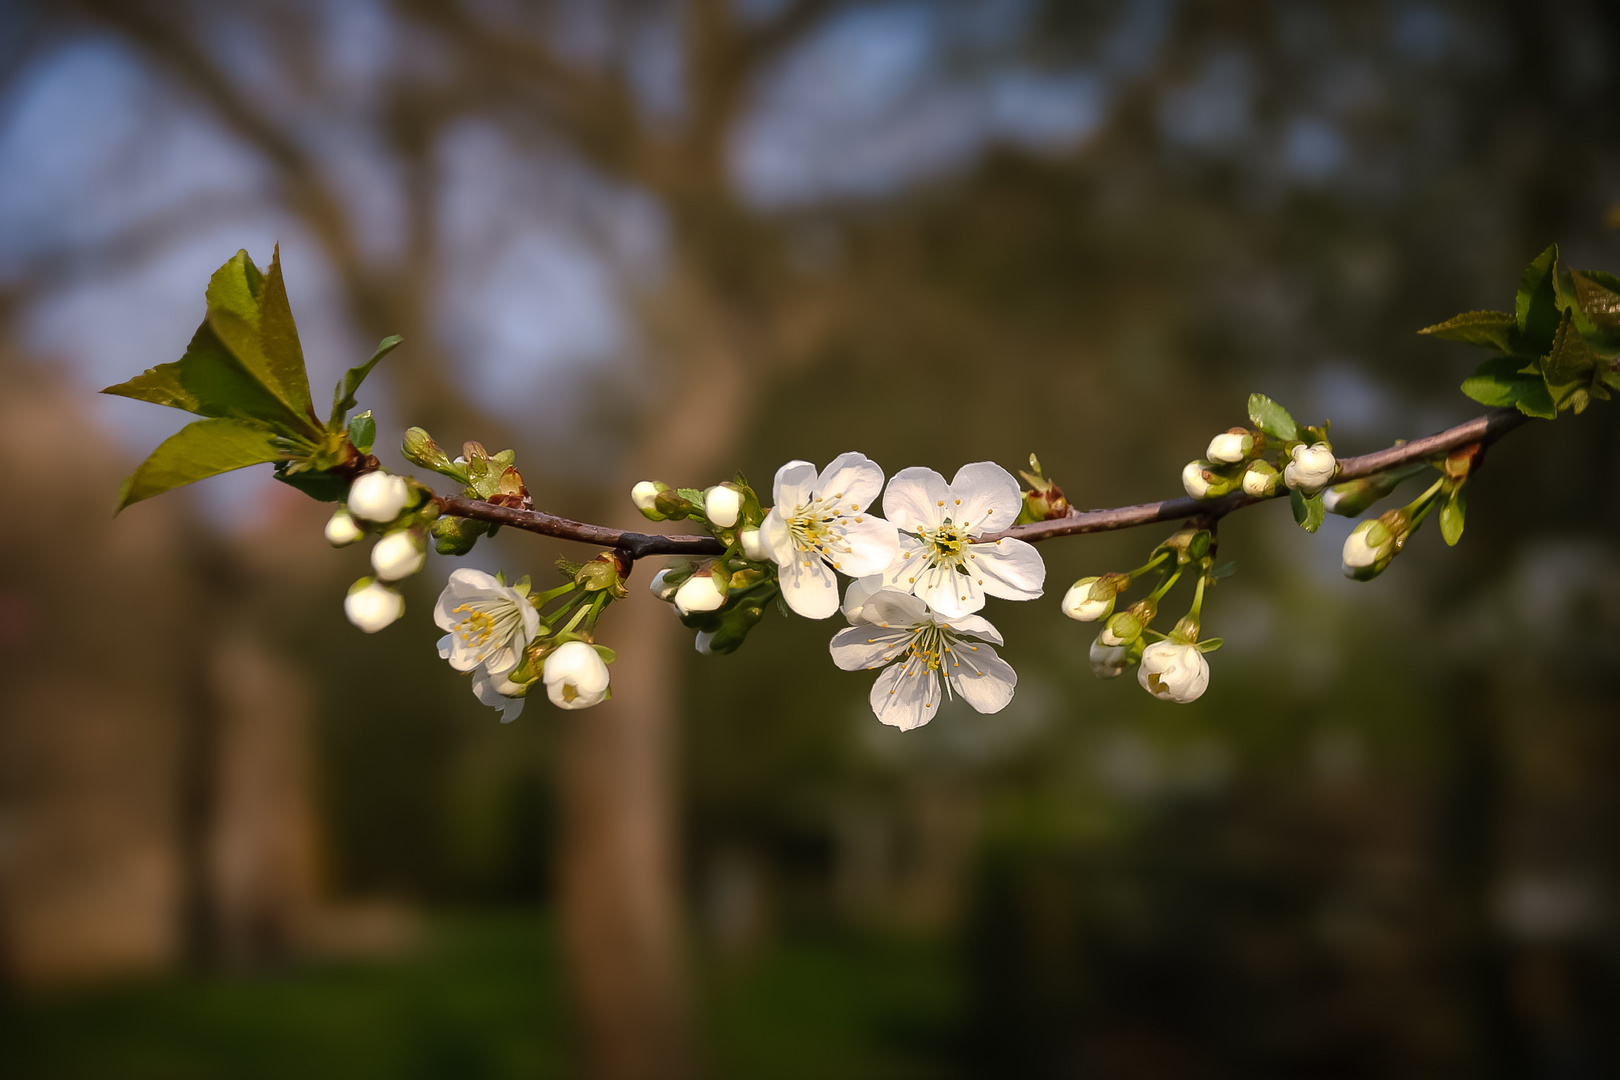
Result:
[[667, 582], [1195, 479], [1172, 671], [721, 505], [378, 496], [1109, 661], [1372, 546], [341, 531], [1259, 480], [1311, 469], [645, 496], [1079, 605], [575, 676], [372, 605], [398, 555], [700, 592], [704, 642], [1230, 447], [753, 547]]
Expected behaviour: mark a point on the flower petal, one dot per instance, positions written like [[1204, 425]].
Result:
[[977, 625], [894, 608], [857, 647], [1009, 569], [980, 677], [853, 479], [949, 593], [873, 545], [794, 483], [778, 541], [858, 593], [915, 499], [905, 697], [984, 497], [809, 587]]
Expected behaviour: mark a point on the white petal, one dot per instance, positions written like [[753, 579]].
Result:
[[1009, 569], [950, 594], [809, 587], [858, 593], [980, 677], [905, 698], [899, 573], [873, 544], [915, 499], [794, 484], [773, 533], [985, 497], [446, 644], [894, 608], [977, 625], [853, 479], [857, 647]]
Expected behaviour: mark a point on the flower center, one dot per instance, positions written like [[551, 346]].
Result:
[[818, 527], [482, 629], [947, 545]]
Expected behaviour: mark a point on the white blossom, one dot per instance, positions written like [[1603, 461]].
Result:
[[1259, 480], [1173, 672], [575, 676], [398, 555], [378, 496], [822, 523], [1078, 604], [500, 692], [645, 496], [341, 530], [916, 647], [372, 605], [1195, 479], [1230, 447], [700, 592], [941, 560], [753, 546], [722, 504], [1311, 469], [489, 624]]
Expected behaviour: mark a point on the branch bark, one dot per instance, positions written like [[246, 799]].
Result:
[[1483, 430]]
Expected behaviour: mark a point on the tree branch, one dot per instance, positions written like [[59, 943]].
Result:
[[1483, 430]]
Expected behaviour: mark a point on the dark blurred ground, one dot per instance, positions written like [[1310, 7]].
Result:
[[239, 838]]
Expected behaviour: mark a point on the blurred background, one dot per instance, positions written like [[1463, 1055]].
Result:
[[636, 238]]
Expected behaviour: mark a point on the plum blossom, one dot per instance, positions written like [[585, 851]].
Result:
[[941, 560], [378, 496], [500, 692], [575, 676], [1311, 469], [372, 605], [1173, 671], [398, 555], [822, 523], [489, 624], [915, 647], [341, 530]]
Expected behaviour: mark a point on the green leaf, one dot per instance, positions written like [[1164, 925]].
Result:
[[249, 312], [343, 394], [1308, 512], [318, 484], [363, 432], [1536, 305], [1272, 418], [1499, 381], [1568, 367], [205, 448], [1492, 329], [1597, 300], [1451, 517]]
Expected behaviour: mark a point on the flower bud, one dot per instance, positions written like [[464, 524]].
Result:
[[371, 605], [457, 535], [378, 496], [700, 592], [665, 583], [1044, 500], [1230, 447], [1260, 480], [645, 496], [1372, 545], [341, 531], [753, 547], [1082, 603], [704, 642], [420, 449], [1110, 661], [603, 574], [1203, 481], [398, 555], [1311, 469], [1173, 672], [575, 676], [722, 504], [1353, 497]]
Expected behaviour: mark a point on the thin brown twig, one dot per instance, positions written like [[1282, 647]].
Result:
[[1483, 430]]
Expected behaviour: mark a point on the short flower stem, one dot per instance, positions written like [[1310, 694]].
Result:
[[1197, 608], [1164, 586], [1150, 564], [540, 600], [1419, 508], [598, 605]]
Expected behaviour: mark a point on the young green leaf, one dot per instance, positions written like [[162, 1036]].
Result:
[[363, 431], [1272, 418], [1308, 512], [1451, 517], [343, 398], [1492, 329], [1535, 307], [1499, 381], [202, 449], [249, 312]]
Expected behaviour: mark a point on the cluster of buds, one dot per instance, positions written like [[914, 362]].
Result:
[[722, 599], [1275, 451], [1172, 667], [399, 510]]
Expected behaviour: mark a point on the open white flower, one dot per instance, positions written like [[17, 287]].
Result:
[[916, 647], [489, 624], [378, 496], [371, 605], [940, 559], [398, 555], [822, 523], [500, 692], [1173, 672], [1311, 469], [575, 676]]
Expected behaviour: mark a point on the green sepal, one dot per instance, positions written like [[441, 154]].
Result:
[[363, 431], [1492, 329], [1209, 645], [1224, 570], [343, 398], [1308, 512], [1452, 514], [199, 450], [607, 654], [1271, 418]]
